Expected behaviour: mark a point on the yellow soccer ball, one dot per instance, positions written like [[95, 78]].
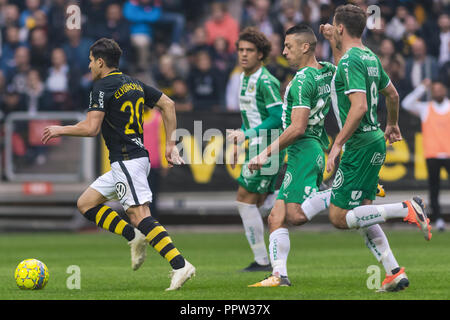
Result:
[[31, 274]]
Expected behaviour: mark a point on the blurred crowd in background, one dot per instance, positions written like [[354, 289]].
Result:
[[186, 48]]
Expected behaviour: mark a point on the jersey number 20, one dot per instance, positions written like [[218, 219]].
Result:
[[134, 110]]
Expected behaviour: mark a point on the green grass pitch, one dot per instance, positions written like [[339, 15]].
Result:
[[322, 265]]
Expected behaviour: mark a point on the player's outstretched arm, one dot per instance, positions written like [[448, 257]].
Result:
[[167, 107], [89, 127], [273, 121], [392, 132], [357, 110], [299, 122]]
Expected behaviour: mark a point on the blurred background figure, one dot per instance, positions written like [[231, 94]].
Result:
[[435, 117], [165, 74], [10, 43], [222, 24], [181, 96], [37, 96], [140, 14], [57, 21], [205, 84], [421, 66], [40, 53], [444, 38], [117, 27], [17, 75], [59, 83], [396, 27], [260, 17]]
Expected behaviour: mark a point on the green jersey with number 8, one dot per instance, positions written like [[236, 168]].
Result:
[[359, 70]]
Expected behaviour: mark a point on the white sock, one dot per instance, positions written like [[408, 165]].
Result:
[[267, 206], [279, 246], [377, 242], [316, 203], [364, 216], [254, 231]]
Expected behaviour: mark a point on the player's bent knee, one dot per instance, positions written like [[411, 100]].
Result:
[[81, 205], [297, 220], [295, 215], [138, 213], [275, 220], [338, 220]]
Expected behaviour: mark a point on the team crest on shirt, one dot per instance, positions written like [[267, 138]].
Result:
[[121, 189], [251, 87]]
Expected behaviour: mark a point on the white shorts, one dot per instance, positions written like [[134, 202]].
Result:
[[126, 182]]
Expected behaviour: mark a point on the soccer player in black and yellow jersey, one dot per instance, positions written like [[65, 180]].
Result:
[[116, 108]]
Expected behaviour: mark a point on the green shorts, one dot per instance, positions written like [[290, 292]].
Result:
[[357, 176], [263, 180], [304, 172]]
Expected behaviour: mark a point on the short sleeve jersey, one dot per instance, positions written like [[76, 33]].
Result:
[[122, 98], [359, 70], [310, 88], [257, 93]]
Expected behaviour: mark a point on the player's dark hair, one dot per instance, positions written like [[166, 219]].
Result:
[[256, 37], [303, 29], [352, 17], [108, 50]]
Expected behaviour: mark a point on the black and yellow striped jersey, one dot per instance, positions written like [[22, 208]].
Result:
[[122, 98]]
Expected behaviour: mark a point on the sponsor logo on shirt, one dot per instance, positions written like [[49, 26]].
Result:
[[356, 196], [372, 71], [323, 75], [378, 159], [101, 95], [368, 57]]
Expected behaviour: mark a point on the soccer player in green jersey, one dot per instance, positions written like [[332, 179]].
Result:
[[354, 93], [260, 105], [306, 103]]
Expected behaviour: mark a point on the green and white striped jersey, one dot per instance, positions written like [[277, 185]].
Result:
[[359, 70], [310, 89], [257, 93]]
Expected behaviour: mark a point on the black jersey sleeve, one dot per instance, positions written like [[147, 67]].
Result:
[[152, 95], [97, 98]]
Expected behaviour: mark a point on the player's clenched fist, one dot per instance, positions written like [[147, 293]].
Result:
[[326, 30]]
